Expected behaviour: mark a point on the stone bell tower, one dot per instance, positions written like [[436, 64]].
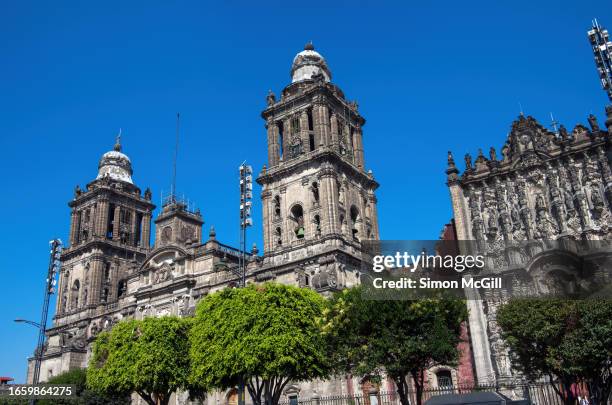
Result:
[[317, 195], [110, 229]]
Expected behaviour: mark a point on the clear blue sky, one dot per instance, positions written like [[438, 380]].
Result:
[[428, 76]]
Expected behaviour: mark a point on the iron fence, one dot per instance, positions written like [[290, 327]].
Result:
[[536, 393]]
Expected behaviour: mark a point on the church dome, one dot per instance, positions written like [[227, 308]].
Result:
[[309, 63], [116, 165]]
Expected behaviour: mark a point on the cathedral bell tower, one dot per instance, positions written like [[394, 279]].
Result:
[[315, 189], [109, 231]]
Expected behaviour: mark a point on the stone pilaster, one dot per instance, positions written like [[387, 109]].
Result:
[[145, 238], [359, 161], [116, 222], [266, 202], [304, 132], [95, 283], [273, 146], [102, 218], [334, 130], [329, 202], [74, 218]]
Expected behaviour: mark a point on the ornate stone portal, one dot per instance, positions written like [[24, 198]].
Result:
[[547, 188]]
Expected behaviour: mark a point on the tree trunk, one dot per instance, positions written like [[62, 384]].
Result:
[[418, 376], [402, 389]]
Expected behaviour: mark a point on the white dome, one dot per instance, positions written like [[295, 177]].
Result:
[[309, 63], [115, 165]]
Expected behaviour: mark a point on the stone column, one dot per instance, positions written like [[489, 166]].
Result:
[[74, 219], [325, 125], [273, 146], [328, 197], [359, 147], [304, 133], [286, 137], [285, 228], [116, 223], [374, 216], [102, 218], [145, 237], [95, 284], [134, 228], [266, 201], [317, 125], [334, 130]]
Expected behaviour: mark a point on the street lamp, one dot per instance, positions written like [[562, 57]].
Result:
[[36, 324]]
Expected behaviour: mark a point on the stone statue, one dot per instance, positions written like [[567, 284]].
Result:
[[593, 123], [596, 199], [271, 98], [468, 162], [77, 191], [493, 154], [147, 194]]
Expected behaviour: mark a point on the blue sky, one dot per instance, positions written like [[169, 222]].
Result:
[[429, 77]]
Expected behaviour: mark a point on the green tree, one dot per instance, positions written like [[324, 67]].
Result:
[[568, 341], [149, 357], [84, 396], [401, 338], [264, 336]]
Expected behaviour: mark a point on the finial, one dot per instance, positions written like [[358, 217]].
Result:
[[309, 46], [451, 170], [212, 234], [118, 142], [493, 154], [254, 250]]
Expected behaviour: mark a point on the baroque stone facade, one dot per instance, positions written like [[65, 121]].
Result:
[[547, 189], [318, 204]]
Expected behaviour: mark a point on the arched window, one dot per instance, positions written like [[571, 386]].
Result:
[[315, 193], [297, 215], [104, 297], [444, 378], [279, 236], [355, 218], [317, 224], [74, 295], [281, 139], [232, 397], [277, 207], [107, 267], [122, 288]]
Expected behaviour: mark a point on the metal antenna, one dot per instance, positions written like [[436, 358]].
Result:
[[173, 190], [521, 108], [602, 54]]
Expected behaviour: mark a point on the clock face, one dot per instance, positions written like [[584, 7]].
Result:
[[166, 234]]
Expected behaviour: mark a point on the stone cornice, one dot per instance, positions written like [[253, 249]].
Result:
[[317, 157]]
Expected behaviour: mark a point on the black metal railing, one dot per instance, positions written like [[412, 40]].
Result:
[[536, 393]]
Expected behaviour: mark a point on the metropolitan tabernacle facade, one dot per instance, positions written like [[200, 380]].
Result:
[[318, 203], [542, 213]]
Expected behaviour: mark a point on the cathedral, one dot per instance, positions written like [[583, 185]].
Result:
[[319, 203]]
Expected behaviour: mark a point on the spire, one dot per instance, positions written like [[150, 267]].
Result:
[[309, 46], [118, 142]]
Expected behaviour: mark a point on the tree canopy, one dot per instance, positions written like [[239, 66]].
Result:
[[263, 335], [149, 357], [398, 337], [568, 341]]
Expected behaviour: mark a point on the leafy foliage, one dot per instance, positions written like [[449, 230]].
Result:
[[149, 357], [403, 338], [264, 336], [77, 377], [568, 341]]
